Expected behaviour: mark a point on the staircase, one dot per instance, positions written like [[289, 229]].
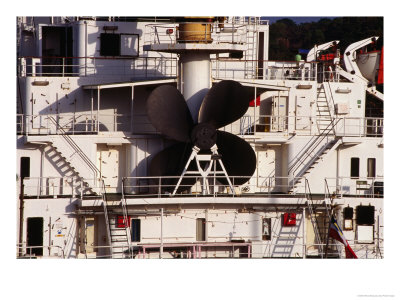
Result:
[[325, 107], [320, 214], [66, 169], [285, 241], [251, 51], [322, 144], [119, 234], [319, 147]]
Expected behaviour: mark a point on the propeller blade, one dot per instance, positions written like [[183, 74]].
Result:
[[171, 162], [224, 103], [237, 156], [169, 114]]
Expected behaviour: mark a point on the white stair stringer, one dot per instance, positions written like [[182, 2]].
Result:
[[66, 169], [314, 160], [77, 160], [251, 52], [119, 238], [325, 107], [323, 112]]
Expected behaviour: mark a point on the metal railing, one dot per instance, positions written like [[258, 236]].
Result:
[[208, 32], [356, 186], [73, 123], [126, 221], [360, 127], [106, 218], [29, 251], [223, 68], [312, 150], [199, 250], [157, 187], [313, 217], [261, 124], [306, 125], [331, 105], [78, 123], [138, 67], [263, 186], [51, 186]]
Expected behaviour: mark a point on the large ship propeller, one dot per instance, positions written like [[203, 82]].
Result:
[[225, 102]]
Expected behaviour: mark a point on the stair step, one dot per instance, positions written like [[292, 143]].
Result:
[[119, 240], [118, 230]]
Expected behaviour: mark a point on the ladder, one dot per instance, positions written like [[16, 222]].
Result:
[[119, 239], [251, 51], [75, 149], [313, 217], [328, 209], [325, 108], [106, 218], [313, 150]]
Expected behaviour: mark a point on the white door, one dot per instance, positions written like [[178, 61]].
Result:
[[279, 113], [303, 121], [108, 164]]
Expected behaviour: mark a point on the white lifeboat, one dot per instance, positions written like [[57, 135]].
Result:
[[368, 63]]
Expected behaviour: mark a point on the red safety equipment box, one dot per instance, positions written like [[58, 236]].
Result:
[[121, 223], [289, 219]]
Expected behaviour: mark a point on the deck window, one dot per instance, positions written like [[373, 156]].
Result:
[[129, 45], [371, 167], [348, 213], [365, 215], [110, 44], [355, 167]]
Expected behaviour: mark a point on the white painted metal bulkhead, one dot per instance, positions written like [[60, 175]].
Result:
[[219, 222]]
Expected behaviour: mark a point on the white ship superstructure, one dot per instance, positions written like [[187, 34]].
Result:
[[87, 137]]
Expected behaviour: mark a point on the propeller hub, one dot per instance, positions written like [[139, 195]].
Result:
[[204, 136]]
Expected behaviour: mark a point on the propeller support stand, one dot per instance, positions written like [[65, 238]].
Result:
[[211, 160]]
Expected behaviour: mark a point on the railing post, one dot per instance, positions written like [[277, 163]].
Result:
[[38, 188], [159, 187], [72, 187], [145, 67]]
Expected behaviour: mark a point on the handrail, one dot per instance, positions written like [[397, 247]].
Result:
[[327, 189], [76, 148], [104, 204], [331, 106], [126, 220], [26, 247], [313, 217], [209, 32], [352, 185], [140, 67], [328, 208], [314, 143], [190, 245]]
